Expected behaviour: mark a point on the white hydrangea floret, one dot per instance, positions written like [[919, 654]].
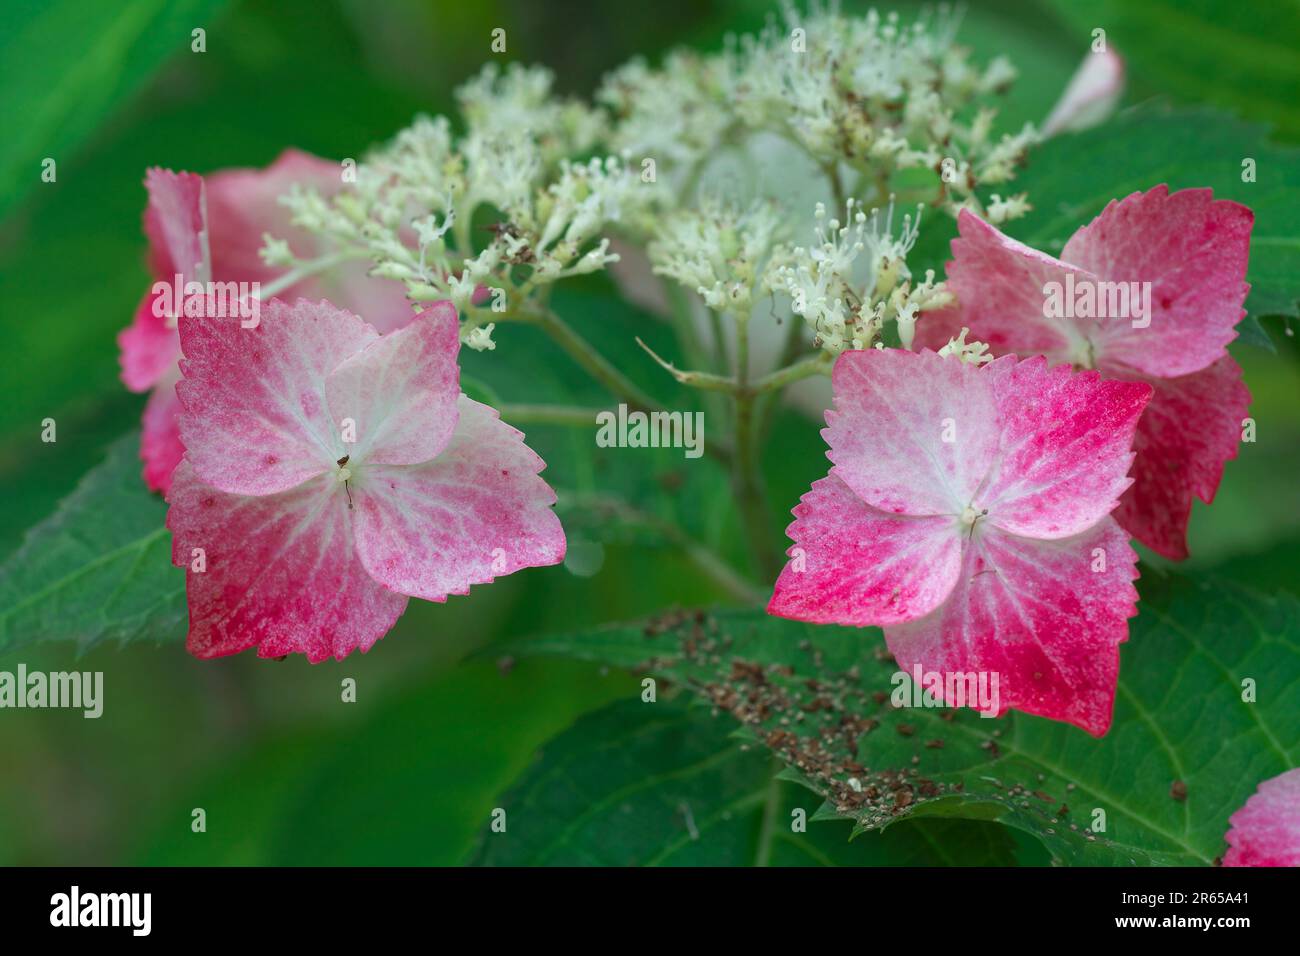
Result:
[[972, 353], [717, 251], [855, 279]]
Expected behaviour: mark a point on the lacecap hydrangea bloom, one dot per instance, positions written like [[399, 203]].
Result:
[[1149, 291], [331, 472], [967, 512]]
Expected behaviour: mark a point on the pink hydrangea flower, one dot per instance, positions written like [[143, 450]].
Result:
[[1192, 249], [210, 229], [330, 472], [1091, 95], [967, 512], [1266, 831]]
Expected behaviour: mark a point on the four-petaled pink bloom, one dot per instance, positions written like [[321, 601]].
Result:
[[210, 230], [1266, 831], [1193, 250], [967, 512], [330, 472]]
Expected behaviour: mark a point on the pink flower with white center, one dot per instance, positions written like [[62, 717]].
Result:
[[210, 229], [967, 512], [1192, 250], [1266, 831], [330, 472]]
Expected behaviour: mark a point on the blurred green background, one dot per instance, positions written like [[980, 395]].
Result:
[[409, 773]]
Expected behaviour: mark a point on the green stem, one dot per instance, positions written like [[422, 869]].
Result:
[[794, 338], [818, 364], [596, 365], [309, 268], [549, 414], [600, 368], [771, 806], [684, 325], [705, 381], [832, 170], [692, 347], [747, 479], [748, 486], [703, 557]]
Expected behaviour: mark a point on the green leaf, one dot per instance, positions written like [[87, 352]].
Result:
[[84, 433], [1044, 53], [99, 568], [1071, 178], [1241, 56], [400, 778], [72, 266], [639, 784], [65, 66], [820, 698]]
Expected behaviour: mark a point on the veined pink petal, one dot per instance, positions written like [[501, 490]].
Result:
[[160, 438], [1000, 286], [854, 564], [1065, 451], [401, 390], [937, 328], [176, 223], [1266, 831], [381, 302], [148, 347], [476, 512], [911, 433], [255, 419], [243, 205], [1191, 427], [1193, 250], [213, 230], [1040, 616], [280, 571]]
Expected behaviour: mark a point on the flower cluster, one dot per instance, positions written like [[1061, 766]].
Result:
[[418, 206], [862, 96], [717, 251], [855, 279], [322, 465], [487, 218]]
